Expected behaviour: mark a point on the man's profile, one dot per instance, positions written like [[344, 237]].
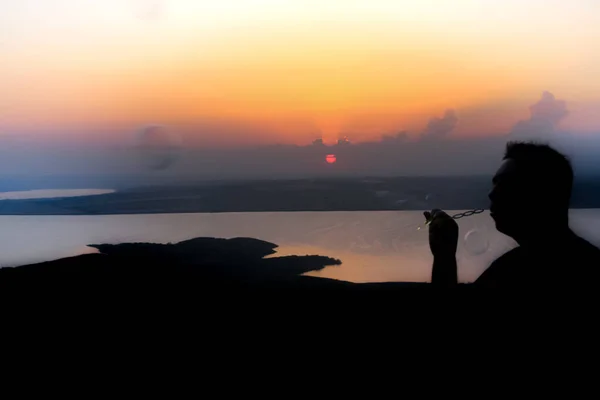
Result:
[[530, 203]]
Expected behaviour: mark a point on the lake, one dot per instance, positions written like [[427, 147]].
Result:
[[374, 246]]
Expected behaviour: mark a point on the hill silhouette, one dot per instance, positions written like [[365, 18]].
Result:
[[200, 264], [193, 267]]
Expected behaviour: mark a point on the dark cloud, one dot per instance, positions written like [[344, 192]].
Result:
[[399, 137], [439, 128], [544, 119], [158, 147], [460, 156]]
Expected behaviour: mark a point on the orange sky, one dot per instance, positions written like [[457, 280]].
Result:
[[289, 71]]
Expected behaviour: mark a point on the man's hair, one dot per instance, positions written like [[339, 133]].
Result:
[[545, 168]]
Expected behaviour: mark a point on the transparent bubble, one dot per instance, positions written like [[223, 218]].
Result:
[[476, 242], [150, 10], [159, 148], [429, 197]]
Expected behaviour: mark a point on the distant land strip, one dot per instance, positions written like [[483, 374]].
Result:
[[373, 194]]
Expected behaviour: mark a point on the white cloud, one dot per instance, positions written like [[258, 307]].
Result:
[[545, 116], [439, 128]]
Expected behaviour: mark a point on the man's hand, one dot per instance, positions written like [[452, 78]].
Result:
[[443, 240], [443, 233]]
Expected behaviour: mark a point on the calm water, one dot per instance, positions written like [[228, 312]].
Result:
[[373, 246]]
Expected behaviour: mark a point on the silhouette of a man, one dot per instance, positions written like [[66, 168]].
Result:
[[530, 203]]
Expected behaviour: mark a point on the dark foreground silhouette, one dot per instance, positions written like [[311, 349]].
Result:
[[196, 266], [530, 201]]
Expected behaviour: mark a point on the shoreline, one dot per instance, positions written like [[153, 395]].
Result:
[[48, 194]]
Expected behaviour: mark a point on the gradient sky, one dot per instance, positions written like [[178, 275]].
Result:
[[234, 72]]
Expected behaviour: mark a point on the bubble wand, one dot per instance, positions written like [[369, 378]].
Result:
[[460, 215]]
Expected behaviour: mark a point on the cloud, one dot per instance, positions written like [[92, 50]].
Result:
[[439, 128], [215, 148], [159, 148], [545, 116], [549, 109], [460, 156], [532, 129], [399, 137]]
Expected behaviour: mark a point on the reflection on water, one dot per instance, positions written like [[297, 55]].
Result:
[[373, 246]]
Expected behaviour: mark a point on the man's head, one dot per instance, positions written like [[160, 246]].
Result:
[[531, 190]]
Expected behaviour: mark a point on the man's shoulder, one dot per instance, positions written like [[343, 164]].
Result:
[[584, 253], [575, 257], [508, 258], [502, 266], [583, 245]]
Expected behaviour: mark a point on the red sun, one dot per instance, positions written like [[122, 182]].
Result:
[[331, 158]]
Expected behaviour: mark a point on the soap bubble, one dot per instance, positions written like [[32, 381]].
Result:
[[430, 200], [150, 10], [159, 148], [476, 242]]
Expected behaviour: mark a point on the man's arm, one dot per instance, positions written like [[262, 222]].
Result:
[[443, 241], [444, 271]]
